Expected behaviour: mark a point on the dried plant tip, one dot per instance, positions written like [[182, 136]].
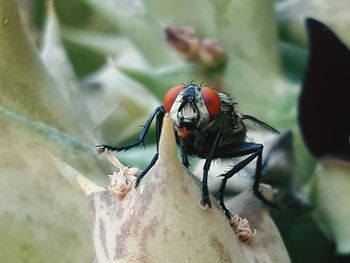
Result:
[[88, 186], [242, 228], [120, 184], [183, 39], [122, 180], [211, 53], [114, 160]]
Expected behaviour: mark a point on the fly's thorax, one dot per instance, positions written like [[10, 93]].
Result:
[[238, 125]]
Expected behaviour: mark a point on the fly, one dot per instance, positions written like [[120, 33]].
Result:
[[206, 125]]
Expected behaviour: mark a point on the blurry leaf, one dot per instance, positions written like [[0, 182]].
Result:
[[24, 84], [159, 81], [324, 102], [73, 13], [138, 157], [78, 154], [329, 190], [247, 30], [248, 34], [303, 238], [181, 13], [291, 15], [117, 104], [42, 216], [131, 19], [107, 45], [83, 59], [58, 65], [294, 59]]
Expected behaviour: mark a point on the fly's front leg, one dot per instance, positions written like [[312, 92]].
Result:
[[205, 202], [159, 113], [159, 110], [159, 124]]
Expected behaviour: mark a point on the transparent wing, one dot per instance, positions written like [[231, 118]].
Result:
[[254, 123]]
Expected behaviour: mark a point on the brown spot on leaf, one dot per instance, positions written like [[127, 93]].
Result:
[[92, 210], [185, 190], [165, 232], [120, 212], [107, 198], [220, 249], [149, 231], [102, 236], [122, 239]]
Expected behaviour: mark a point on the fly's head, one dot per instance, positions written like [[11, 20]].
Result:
[[191, 108]]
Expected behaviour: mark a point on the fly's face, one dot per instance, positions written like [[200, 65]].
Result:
[[191, 107]]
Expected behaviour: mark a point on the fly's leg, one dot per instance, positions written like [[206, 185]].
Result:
[[221, 198], [258, 173], [184, 158], [205, 202], [255, 151], [159, 114], [159, 110], [144, 172], [159, 124]]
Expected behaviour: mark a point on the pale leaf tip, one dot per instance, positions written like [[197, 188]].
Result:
[[87, 186]]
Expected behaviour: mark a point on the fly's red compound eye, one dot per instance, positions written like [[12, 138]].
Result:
[[211, 100], [170, 97]]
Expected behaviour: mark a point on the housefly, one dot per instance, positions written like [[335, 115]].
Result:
[[207, 126]]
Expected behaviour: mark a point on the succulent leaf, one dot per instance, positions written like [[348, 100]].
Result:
[[329, 193], [157, 221]]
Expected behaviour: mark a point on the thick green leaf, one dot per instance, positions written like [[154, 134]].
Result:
[[292, 14], [132, 21], [25, 85], [118, 105], [197, 13], [42, 217], [329, 190], [159, 81], [57, 63]]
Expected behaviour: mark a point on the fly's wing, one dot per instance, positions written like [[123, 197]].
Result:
[[254, 123], [324, 111]]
